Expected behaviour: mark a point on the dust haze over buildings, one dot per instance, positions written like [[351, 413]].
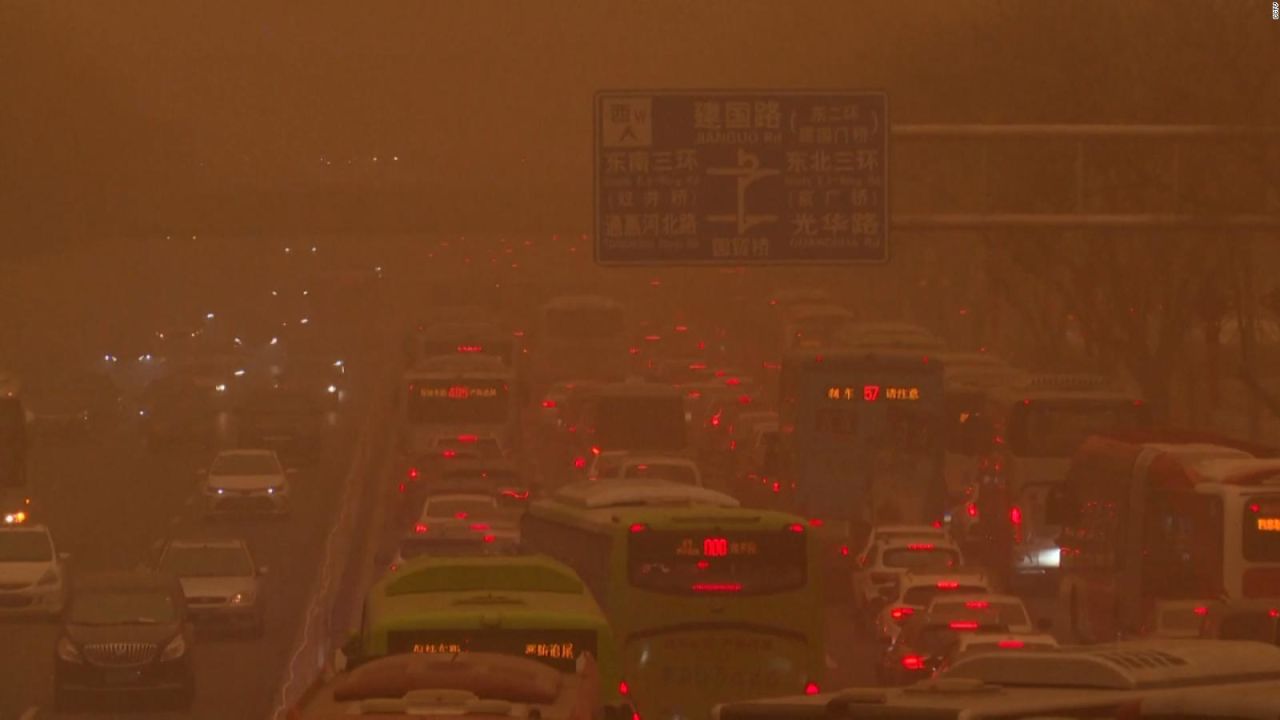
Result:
[[127, 118]]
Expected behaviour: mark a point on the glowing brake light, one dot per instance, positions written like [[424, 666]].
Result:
[[460, 515], [815, 522], [479, 526], [1015, 515], [920, 546], [1201, 610], [548, 404], [420, 528], [489, 538], [1011, 644], [971, 509], [811, 688], [413, 473], [795, 527], [948, 584], [912, 662], [716, 587], [732, 382], [715, 420], [638, 528], [744, 399], [901, 613], [977, 604], [449, 453], [624, 688], [963, 625], [1273, 613], [470, 348], [698, 366], [467, 438], [580, 462], [844, 551]]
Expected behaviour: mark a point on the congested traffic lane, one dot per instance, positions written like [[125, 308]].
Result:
[[108, 500]]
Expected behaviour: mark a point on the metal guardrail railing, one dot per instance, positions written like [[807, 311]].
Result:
[[336, 585]]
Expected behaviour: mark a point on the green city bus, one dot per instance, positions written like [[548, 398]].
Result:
[[527, 606], [710, 601]]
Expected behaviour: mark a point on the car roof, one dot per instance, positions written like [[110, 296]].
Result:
[[246, 452], [43, 529], [638, 459], [944, 543], [922, 529], [460, 496], [971, 597], [209, 543], [959, 575]]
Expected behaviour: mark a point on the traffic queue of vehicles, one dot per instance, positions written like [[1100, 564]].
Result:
[[921, 484]]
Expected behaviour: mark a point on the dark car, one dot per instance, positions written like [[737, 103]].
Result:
[[925, 643], [1257, 619], [289, 420], [125, 636]]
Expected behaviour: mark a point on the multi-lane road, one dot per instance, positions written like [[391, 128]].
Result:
[[107, 500]]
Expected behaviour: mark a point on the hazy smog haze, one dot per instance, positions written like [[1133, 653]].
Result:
[[116, 106]]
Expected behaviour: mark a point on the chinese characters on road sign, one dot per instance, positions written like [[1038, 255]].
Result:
[[740, 178]]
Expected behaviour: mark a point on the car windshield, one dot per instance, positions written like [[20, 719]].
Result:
[[1008, 613], [460, 508], [245, 465], [925, 557], [120, 607], [682, 474], [922, 594], [25, 546], [207, 562]]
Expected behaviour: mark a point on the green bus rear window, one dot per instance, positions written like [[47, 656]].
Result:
[[497, 578]]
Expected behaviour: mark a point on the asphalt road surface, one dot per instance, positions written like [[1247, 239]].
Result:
[[107, 500]]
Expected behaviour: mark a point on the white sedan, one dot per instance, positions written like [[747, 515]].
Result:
[[249, 482], [32, 572]]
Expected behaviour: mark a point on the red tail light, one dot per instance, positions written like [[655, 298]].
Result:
[[732, 382], [1201, 610], [401, 487], [963, 625], [948, 584], [815, 522], [548, 403], [1015, 515], [811, 688], [595, 450], [580, 462], [638, 527], [937, 524], [470, 348], [1011, 644], [920, 546], [697, 366], [844, 551], [977, 604], [796, 528], [479, 526], [489, 538], [744, 399], [716, 587], [715, 420], [516, 494], [1273, 613], [420, 528], [900, 614], [467, 438], [777, 487], [972, 509], [413, 473], [912, 662], [624, 688], [449, 454]]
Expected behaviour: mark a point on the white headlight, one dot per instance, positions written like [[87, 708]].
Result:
[[332, 389], [220, 387], [176, 648]]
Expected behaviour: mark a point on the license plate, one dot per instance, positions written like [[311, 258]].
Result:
[[120, 677]]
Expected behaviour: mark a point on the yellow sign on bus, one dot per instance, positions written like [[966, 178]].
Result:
[[872, 393], [1269, 524]]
